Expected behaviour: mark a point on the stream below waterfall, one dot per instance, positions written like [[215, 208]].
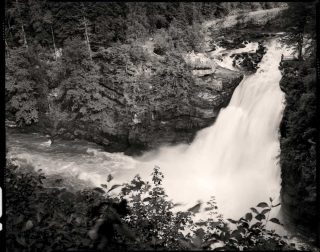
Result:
[[235, 159]]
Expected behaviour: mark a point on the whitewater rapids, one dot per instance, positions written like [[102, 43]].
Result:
[[235, 159]]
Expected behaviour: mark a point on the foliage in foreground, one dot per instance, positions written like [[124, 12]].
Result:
[[42, 218]]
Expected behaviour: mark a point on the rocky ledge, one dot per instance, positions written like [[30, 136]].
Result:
[[247, 61], [151, 118], [211, 89]]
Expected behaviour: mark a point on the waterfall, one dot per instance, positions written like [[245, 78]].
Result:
[[235, 159]]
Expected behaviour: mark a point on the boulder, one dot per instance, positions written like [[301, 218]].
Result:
[[249, 61]]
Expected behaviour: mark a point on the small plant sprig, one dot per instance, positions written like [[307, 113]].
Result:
[[251, 229]]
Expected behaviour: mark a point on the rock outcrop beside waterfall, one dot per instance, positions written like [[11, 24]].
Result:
[[248, 61], [177, 121], [143, 114], [139, 95], [210, 90]]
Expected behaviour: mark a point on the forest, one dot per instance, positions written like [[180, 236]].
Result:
[[100, 42], [72, 71]]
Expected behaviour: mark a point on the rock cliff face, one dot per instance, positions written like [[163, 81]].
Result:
[[210, 91], [150, 125], [162, 100], [144, 94]]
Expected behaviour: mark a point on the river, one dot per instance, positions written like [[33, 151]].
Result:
[[235, 159]]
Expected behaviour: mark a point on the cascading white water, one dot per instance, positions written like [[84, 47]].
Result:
[[234, 160], [226, 61]]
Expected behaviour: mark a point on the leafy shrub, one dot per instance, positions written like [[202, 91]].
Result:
[[298, 142], [48, 218], [151, 214], [26, 84]]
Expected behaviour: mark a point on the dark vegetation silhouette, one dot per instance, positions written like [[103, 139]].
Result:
[[101, 43], [54, 218], [298, 127]]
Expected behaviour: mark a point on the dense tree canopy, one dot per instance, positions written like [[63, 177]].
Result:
[[298, 128], [93, 63], [299, 21]]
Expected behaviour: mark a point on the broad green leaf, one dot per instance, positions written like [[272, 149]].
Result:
[[260, 217], [232, 221], [236, 234], [114, 187], [201, 223], [248, 216], [262, 204], [254, 210], [196, 208], [257, 224], [275, 220], [109, 178], [147, 199], [265, 211]]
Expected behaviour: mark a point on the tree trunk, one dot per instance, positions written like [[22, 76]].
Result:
[[22, 28], [300, 45], [9, 30], [299, 51], [54, 45], [24, 37], [7, 47], [87, 37]]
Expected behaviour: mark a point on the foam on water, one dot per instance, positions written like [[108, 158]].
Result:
[[226, 60], [234, 160]]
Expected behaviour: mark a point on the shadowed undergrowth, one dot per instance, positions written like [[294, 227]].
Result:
[[51, 218]]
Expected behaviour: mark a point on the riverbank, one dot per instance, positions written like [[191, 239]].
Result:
[[160, 94], [211, 179], [202, 103]]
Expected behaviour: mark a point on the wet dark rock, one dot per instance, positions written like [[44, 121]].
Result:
[[249, 61], [230, 39], [231, 44]]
